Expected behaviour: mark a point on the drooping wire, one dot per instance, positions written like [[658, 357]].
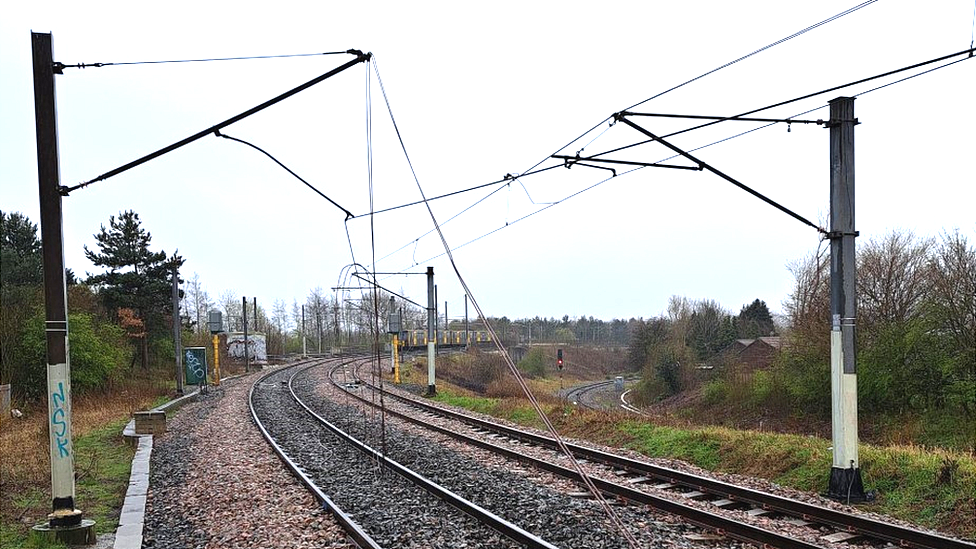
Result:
[[377, 370], [287, 169], [597, 494]]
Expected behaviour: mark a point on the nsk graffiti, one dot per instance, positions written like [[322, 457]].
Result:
[[59, 421]]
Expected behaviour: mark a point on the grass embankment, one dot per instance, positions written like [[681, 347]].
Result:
[[102, 461], [936, 489]]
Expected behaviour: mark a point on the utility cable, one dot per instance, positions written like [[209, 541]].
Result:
[[507, 224], [287, 169], [99, 65], [703, 75], [508, 359], [504, 180], [762, 49], [828, 90], [378, 373], [360, 57], [601, 182], [533, 170]]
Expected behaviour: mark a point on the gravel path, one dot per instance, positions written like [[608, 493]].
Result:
[[216, 483], [536, 501]]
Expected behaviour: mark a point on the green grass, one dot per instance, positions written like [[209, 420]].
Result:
[[476, 404], [102, 464], [932, 488]]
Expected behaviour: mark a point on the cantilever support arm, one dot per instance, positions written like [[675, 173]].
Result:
[[621, 117], [360, 57]]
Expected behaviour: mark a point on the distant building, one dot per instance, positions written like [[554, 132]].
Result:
[[755, 354]]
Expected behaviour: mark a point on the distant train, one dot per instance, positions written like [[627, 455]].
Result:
[[417, 339]]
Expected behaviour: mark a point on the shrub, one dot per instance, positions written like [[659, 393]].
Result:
[[96, 348], [716, 391], [534, 363]]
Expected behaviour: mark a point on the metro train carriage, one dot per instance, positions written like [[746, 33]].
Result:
[[417, 339]]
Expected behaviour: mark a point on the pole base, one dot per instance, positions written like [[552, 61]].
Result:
[[846, 486], [79, 534], [431, 391]]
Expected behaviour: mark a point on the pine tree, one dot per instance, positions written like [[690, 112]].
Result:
[[754, 320], [135, 277]]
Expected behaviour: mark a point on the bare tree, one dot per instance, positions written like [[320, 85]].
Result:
[[892, 278], [197, 303], [953, 292]]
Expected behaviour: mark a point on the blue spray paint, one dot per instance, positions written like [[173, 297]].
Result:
[[58, 424]]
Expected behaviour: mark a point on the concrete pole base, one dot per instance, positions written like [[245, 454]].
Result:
[[80, 534], [846, 486], [431, 391]]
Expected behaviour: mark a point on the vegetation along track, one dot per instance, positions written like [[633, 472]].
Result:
[[722, 506], [390, 503]]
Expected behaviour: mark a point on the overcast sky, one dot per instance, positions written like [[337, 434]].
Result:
[[481, 90]]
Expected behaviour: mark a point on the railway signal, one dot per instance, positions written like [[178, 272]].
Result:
[[559, 359]]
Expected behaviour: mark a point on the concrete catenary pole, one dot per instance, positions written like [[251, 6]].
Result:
[[177, 342], [64, 516], [304, 347], [467, 327], [845, 474], [431, 332]]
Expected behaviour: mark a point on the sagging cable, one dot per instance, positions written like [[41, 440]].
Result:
[[287, 169]]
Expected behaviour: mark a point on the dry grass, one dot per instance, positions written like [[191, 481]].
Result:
[[25, 480]]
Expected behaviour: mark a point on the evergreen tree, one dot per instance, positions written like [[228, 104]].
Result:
[[21, 262], [135, 277], [754, 320]]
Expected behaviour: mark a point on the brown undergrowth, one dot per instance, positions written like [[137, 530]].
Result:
[[25, 482]]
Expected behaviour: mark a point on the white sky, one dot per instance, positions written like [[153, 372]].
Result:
[[480, 90]]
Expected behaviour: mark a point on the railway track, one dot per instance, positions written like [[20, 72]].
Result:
[[717, 505], [583, 396], [379, 501]]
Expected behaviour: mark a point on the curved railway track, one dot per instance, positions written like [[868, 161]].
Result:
[[583, 396], [633, 477], [386, 503]]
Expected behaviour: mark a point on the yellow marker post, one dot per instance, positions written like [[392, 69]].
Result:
[[396, 359], [216, 360]]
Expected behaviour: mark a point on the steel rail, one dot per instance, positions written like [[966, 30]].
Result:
[[900, 535], [353, 530], [481, 514], [578, 392], [719, 523]]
